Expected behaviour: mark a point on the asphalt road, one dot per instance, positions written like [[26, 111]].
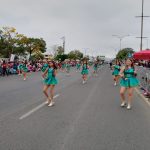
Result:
[[85, 117]]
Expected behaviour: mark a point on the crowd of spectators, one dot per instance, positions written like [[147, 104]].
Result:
[[10, 68], [143, 68]]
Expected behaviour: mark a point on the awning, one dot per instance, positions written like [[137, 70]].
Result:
[[142, 55]]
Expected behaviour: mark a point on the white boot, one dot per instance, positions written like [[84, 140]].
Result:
[[123, 104], [129, 106]]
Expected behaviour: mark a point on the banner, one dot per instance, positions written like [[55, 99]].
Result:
[[12, 57]]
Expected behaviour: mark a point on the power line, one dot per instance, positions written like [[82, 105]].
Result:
[[142, 22]]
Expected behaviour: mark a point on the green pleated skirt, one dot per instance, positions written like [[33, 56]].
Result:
[[129, 82]]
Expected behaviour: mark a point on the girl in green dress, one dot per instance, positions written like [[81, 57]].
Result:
[[24, 70], [95, 67], [20, 68], [68, 66], [85, 71], [50, 81], [63, 66], [116, 72], [78, 66], [128, 82], [44, 66]]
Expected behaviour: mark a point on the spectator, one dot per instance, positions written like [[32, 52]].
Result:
[[4, 68]]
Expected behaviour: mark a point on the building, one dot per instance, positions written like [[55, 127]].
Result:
[[48, 55]]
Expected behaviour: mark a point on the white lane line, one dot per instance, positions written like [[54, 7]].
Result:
[[35, 109]]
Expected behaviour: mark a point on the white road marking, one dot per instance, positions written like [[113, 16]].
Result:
[[35, 109]]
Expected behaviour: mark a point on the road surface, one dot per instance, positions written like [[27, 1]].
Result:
[[85, 117]]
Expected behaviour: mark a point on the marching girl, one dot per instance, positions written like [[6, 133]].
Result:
[[85, 71], [95, 67], [50, 81], [68, 66], [44, 66], [116, 72], [24, 70], [78, 66], [20, 68], [128, 82], [63, 66]]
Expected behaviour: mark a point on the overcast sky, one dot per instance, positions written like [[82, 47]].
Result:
[[86, 24]]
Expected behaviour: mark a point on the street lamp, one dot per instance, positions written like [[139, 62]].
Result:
[[120, 38], [115, 50], [85, 51]]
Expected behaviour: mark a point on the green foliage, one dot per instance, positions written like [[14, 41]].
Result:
[[35, 45], [61, 57], [60, 50], [124, 53], [11, 42], [59, 54], [76, 54], [37, 56]]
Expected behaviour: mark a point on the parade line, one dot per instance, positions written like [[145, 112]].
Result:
[[35, 109]]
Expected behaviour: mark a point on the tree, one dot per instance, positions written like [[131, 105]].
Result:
[[76, 54], [54, 50], [37, 56], [61, 57], [11, 42], [20, 47], [35, 45], [7, 35], [60, 50], [124, 53], [59, 53]]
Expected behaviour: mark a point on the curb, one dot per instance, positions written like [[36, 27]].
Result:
[[142, 96]]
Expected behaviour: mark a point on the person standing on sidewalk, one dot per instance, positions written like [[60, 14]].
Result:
[[128, 82], [4, 68]]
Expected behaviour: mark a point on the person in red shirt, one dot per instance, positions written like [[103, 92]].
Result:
[[4, 68]]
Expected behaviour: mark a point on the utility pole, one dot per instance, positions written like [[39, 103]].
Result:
[[64, 43], [85, 51], [142, 22]]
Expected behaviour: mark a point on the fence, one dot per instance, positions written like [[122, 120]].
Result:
[[144, 77]]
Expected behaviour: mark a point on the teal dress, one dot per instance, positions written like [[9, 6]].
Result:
[[50, 79], [20, 66], [116, 70], [68, 66], [95, 67], [44, 67], [63, 66], [85, 70], [78, 66], [129, 79], [24, 68]]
